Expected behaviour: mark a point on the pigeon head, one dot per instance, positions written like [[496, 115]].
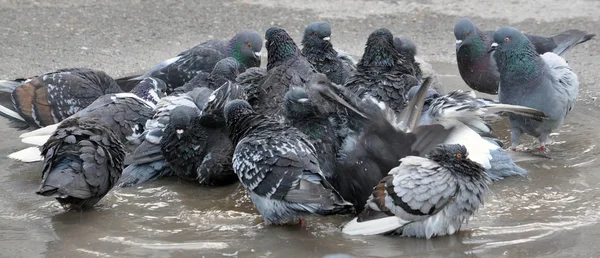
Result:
[[150, 89], [181, 118], [236, 110], [317, 34], [467, 34], [380, 50], [297, 104], [405, 46], [225, 70], [245, 47], [280, 46], [513, 52], [455, 158]]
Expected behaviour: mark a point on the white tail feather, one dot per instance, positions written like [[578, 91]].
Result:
[[31, 154], [36, 140], [44, 131], [373, 227], [11, 113]]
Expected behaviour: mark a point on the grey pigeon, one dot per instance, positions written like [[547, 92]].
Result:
[[469, 116], [279, 168], [424, 197], [224, 71], [286, 68], [196, 142], [146, 162], [405, 47], [52, 97], [383, 73], [319, 51], [244, 46], [82, 162], [545, 83], [475, 63]]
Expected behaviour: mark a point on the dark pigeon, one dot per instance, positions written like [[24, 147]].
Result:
[[375, 147], [250, 80], [545, 83], [245, 47], [196, 142], [225, 70], [279, 168], [424, 197], [50, 98], [82, 162], [146, 162], [384, 74], [319, 51], [311, 115], [286, 68], [475, 63]]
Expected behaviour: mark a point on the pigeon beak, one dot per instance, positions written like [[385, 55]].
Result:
[[257, 54], [494, 46], [327, 38], [458, 44], [179, 132]]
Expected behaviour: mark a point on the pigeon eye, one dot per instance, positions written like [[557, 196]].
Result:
[[249, 45], [507, 39], [314, 34], [468, 33], [459, 155]]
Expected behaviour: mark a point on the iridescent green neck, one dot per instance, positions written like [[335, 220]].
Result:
[[475, 50], [521, 63]]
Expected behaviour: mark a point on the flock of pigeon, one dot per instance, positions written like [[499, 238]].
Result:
[[315, 132]]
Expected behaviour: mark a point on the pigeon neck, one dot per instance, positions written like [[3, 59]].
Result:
[[477, 49], [241, 127], [278, 53], [319, 52], [521, 65], [379, 56]]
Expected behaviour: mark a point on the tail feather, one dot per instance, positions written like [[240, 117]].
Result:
[[382, 225], [36, 140], [568, 39], [517, 110], [136, 174], [31, 154], [44, 131], [10, 85]]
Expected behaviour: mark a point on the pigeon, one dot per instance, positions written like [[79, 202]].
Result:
[[544, 82], [146, 162], [469, 116], [424, 197], [50, 98], [82, 161], [311, 115], [224, 71], [383, 73], [319, 51], [278, 167], [373, 149], [475, 64], [196, 143], [245, 47], [286, 68]]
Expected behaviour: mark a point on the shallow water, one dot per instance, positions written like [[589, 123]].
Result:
[[555, 211]]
